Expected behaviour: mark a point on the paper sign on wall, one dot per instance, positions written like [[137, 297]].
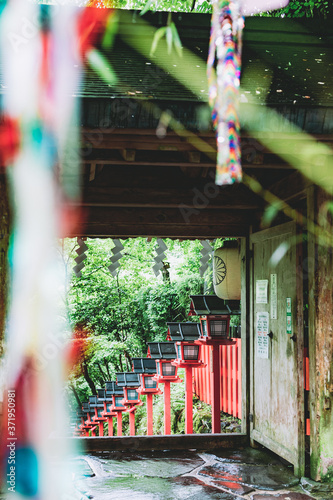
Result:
[[273, 296], [261, 291], [262, 329]]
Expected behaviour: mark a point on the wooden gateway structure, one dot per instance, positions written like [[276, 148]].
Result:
[[143, 178]]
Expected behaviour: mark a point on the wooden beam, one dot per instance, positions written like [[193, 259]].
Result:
[[143, 144], [235, 197], [181, 222], [188, 141], [180, 164], [292, 187], [182, 215], [181, 232]]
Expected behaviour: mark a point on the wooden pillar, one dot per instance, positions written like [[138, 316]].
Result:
[[110, 426], [320, 270], [188, 400], [167, 409], [150, 430], [4, 242], [216, 388], [101, 428], [119, 423], [132, 422], [245, 334]]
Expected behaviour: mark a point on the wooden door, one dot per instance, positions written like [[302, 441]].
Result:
[[277, 396]]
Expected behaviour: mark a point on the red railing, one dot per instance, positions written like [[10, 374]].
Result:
[[307, 389], [231, 378]]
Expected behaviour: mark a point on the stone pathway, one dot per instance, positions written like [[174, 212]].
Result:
[[230, 475]]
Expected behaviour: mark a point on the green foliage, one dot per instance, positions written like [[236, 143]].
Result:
[[306, 8], [121, 314], [295, 8]]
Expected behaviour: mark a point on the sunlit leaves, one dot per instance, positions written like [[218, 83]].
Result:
[[172, 38]]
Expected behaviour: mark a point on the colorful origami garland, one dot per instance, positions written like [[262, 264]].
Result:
[[223, 70]]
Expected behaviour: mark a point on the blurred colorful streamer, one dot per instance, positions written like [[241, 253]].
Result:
[[42, 55], [223, 70]]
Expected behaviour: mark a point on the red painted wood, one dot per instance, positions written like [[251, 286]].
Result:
[[110, 426], [231, 376], [167, 409], [229, 381], [307, 384], [239, 377], [215, 392], [119, 423], [100, 429], [234, 380], [132, 423], [224, 379], [188, 400], [150, 431], [206, 380]]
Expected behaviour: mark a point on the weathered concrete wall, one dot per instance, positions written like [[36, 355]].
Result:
[[321, 341], [4, 241]]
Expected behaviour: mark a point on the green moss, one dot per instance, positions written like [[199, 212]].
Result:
[[328, 478]]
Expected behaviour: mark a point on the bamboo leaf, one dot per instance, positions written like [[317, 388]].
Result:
[[157, 37], [169, 38], [176, 40], [147, 7], [110, 31], [102, 66]]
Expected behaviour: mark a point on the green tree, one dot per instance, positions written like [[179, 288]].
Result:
[[120, 314]]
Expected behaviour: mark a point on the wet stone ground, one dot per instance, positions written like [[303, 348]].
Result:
[[248, 474]]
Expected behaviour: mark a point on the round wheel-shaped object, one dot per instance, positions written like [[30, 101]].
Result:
[[227, 273]]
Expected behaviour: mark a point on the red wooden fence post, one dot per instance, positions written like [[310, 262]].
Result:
[[110, 426], [150, 431], [119, 423], [132, 421], [188, 400], [215, 383], [100, 429], [167, 409]]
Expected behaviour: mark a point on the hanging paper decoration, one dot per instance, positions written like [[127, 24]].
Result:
[[206, 253], [223, 70], [80, 258], [160, 256], [117, 255]]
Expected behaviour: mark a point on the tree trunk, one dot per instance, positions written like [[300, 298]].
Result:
[[89, 380], [104, 378], [107, 368], [128, 360], [74, 391], [120, 363], [4, 243]]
